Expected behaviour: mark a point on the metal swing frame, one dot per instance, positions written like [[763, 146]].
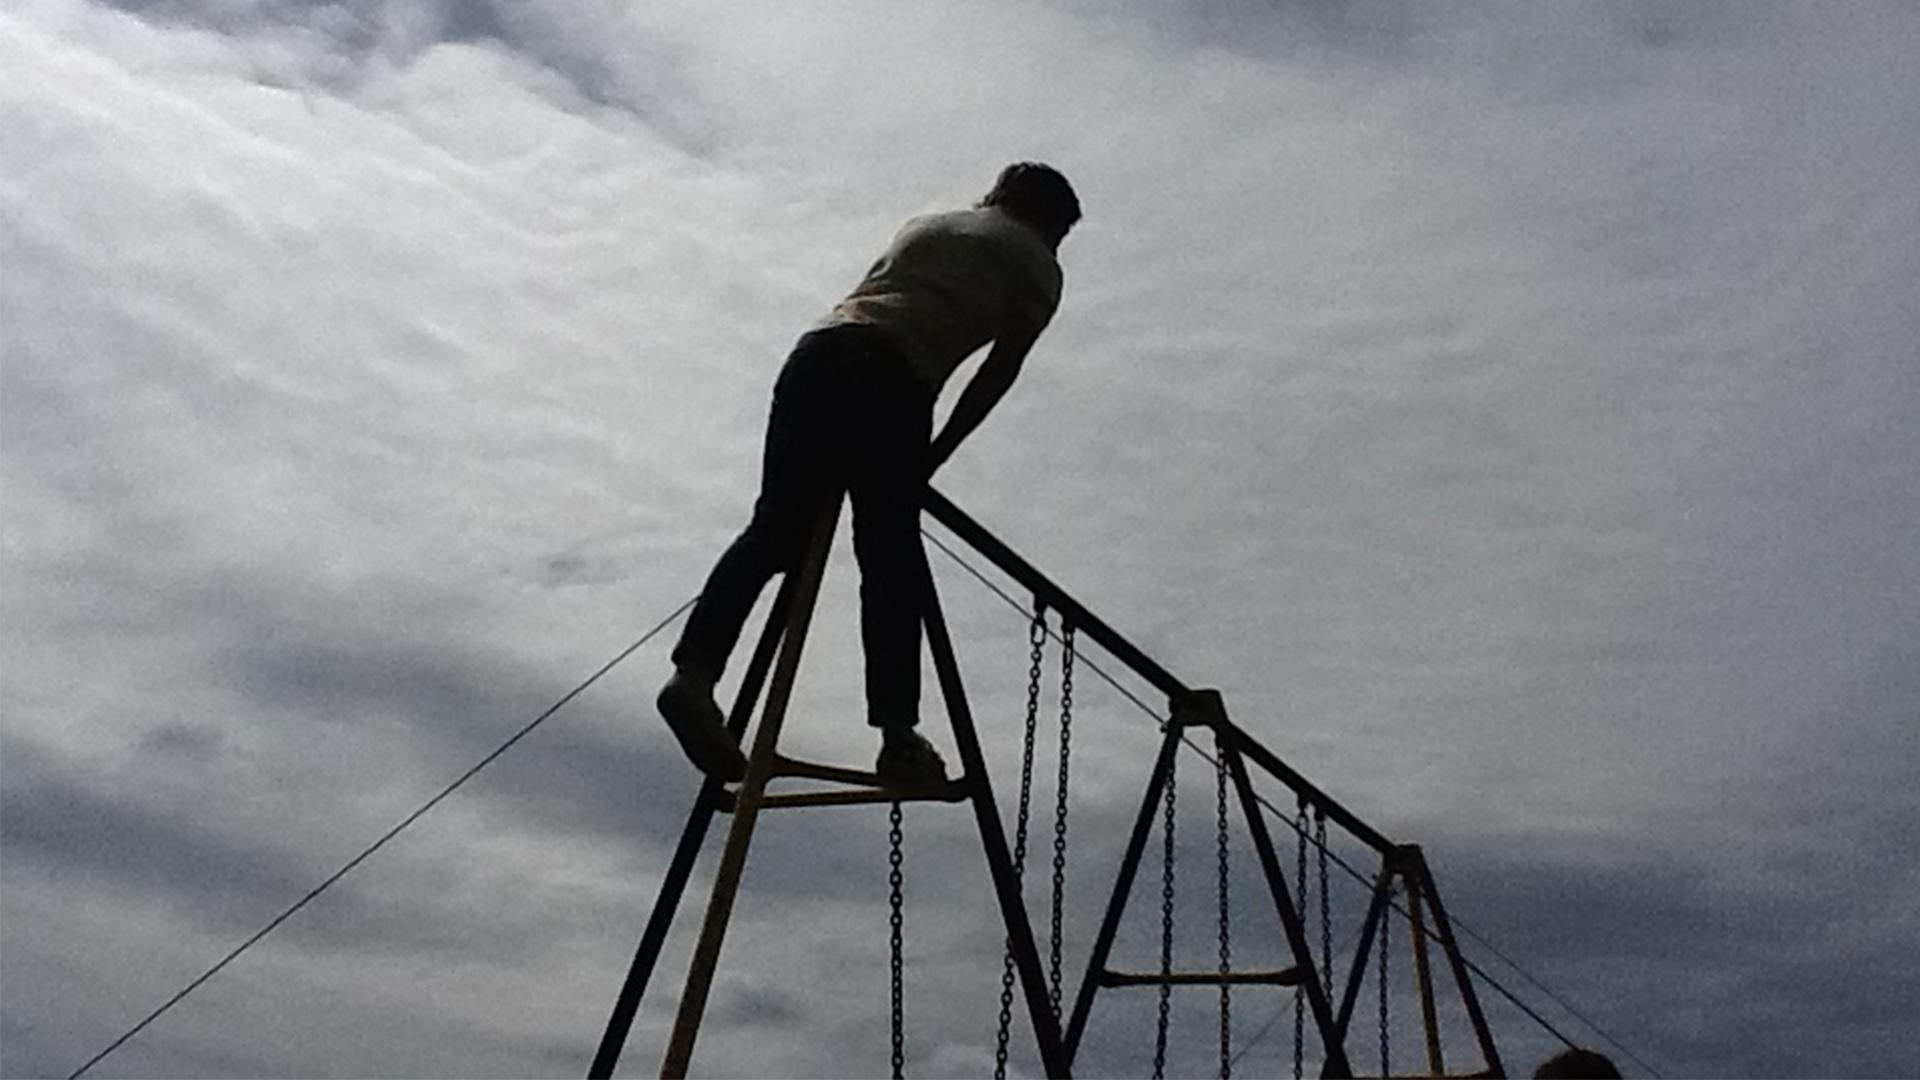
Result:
[[1199, 708], [785, 633]]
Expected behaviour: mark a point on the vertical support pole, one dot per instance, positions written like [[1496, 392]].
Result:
[[726, 881], [1443, 929], [674, 885], [1423, 975], [1013, 908], [1333, 1041], [1122, 886]]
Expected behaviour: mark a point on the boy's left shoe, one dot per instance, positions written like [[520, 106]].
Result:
[[907, 758], [687, 705]]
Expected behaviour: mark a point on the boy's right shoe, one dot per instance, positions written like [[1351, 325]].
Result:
[[907, 759], [690, 712]]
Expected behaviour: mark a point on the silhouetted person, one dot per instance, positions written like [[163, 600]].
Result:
[[1576, 1064], [853, 411]]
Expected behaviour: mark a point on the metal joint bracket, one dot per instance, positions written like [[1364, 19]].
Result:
[[1201, 708]]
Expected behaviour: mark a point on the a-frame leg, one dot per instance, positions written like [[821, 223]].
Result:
[[760, 765], [784, 637], [1423, 979], [672, 887], [1006, 885], [1203, 708], [1408, 865], [1333, 1045], [1122, 887], [1376, 915], [1443, 930]]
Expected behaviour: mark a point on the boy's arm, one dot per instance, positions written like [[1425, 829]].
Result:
[[983, 392]]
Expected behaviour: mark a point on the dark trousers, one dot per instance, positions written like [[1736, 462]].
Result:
[[848, 415]]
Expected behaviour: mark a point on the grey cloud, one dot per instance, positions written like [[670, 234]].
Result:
[[763, 1006], [1621, 935], [357, 28], [62, 825], [606, 58], [198, 742], [443, 705], [1506, 405], [1510, 38], [59, 828]]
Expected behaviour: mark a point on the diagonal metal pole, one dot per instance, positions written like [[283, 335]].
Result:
[[1443, 929], [1376, 910], [1423, 976], [746, 812], [1334, 1047], [1006, 885], [1122, 886], [976, 536], [680, 869]]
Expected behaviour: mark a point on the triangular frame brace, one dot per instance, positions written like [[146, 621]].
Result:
[[1203, 708], [1407, 865], [785, 633]]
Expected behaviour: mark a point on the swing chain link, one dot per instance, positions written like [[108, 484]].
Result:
[[1036, 643], [1166, 927], [1299, 993], [1326, 906], [1060, 817], [1386, 927], [1226, 941], [895, 879]]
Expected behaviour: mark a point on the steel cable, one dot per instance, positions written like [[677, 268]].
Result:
[[317, 890]]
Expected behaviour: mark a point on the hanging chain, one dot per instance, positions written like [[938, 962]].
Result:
[[1166, 927], [1036, 652], [1326, 909], [1060, 817], [1226, 939], [1386, 929], [1299, 993], [894, 882]]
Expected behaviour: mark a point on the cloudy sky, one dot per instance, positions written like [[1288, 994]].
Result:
[[1510, 408]]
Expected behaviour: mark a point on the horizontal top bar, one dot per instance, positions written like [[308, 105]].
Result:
[[976, 536], [1342, 816]]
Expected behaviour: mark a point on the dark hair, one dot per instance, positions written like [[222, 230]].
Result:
[[1577, 1064], [1038, 195]]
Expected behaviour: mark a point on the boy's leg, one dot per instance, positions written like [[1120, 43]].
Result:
[[794, 477], [893, 575], [888, 477], [893, 580]]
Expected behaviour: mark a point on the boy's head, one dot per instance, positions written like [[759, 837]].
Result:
[[1038, 195]]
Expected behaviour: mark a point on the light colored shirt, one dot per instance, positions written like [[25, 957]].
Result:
[[952, 282]]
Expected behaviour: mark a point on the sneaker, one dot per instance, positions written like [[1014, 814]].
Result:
[[908, 758], [696, 721]]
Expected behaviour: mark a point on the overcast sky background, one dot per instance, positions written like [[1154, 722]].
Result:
[[1509, 407]]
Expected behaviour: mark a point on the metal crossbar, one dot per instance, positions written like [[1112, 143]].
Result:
[[989, 546]]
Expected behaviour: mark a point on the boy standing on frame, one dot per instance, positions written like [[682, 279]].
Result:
[[853, 411]]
